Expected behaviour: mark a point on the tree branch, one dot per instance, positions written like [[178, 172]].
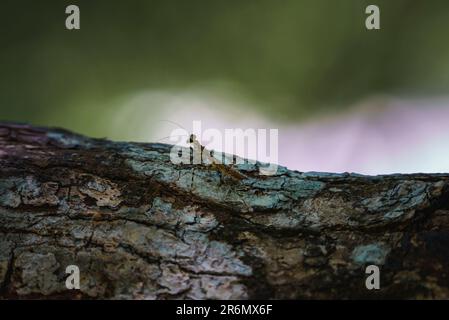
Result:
[[138, 226]]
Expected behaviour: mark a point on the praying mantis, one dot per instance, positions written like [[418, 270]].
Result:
[[225, 170], [215, 163]]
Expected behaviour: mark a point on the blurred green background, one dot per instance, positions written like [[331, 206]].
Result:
[[292, 59]]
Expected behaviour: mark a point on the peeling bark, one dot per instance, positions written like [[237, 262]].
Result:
[[140, 227]]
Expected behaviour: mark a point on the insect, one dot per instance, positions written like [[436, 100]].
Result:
[[215, 163], [202, 152]]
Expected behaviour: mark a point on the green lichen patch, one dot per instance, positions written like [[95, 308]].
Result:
[[373, 253]]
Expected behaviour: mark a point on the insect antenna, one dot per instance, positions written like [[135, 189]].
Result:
[[175, 123], [178, 135]]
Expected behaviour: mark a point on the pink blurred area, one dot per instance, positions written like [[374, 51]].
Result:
[[399, 137]]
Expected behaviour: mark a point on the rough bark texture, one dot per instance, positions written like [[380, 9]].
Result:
[[140, 227]]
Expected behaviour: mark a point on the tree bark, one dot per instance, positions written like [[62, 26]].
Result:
[[140, 227]]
